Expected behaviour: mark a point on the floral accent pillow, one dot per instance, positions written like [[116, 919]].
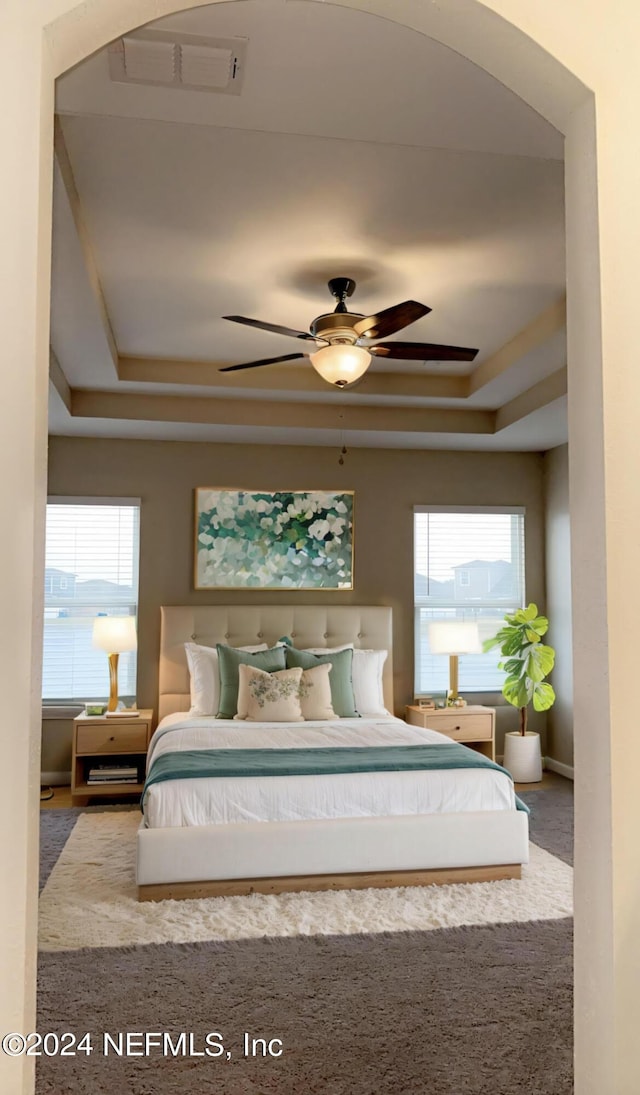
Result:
[[269, 697], [315, 693]]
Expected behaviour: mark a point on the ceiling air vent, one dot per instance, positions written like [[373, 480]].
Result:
[[184, 61]]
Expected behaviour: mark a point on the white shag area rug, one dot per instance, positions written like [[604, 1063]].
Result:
[[90, 900]]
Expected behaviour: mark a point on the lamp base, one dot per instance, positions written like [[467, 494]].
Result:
[[453, 699], [113, 682]]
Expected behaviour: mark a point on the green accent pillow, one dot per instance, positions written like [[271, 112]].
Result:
[[229, 658], [340, 679]]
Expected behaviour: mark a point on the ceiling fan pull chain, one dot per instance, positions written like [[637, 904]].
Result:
[[343, 450]]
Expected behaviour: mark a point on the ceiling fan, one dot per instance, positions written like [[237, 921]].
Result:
[[344, 339]]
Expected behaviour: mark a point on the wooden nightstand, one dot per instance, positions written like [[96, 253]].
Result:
[[472, 725], [101, 741]]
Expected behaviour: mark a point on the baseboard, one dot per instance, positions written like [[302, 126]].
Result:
[[55, 779], [565, 770]]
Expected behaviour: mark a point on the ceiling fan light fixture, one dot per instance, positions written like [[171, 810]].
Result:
[[343, 360], [341, 364]]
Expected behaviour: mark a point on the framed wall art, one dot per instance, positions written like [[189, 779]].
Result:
[[247, 539]]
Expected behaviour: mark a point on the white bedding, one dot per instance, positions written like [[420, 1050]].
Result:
[[301, 798]]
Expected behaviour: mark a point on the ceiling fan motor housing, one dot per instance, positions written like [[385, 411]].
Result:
[[336, 326]]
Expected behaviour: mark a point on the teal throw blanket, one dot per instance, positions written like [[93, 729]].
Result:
[[207, 763]]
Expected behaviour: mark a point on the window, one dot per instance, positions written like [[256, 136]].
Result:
[[468, 565], [91, 569]]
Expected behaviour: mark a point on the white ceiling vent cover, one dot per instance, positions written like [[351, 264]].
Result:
[[149, 61], [202, 66], [183, 61]]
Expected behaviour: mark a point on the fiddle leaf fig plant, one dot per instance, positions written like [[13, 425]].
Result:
[[526, 661]]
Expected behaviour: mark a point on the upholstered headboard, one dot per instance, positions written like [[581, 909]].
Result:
[[368, 627]]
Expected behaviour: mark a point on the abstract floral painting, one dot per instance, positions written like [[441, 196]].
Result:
[[273, 540]]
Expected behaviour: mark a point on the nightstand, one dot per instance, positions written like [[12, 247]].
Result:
[[472, 725], [101, 745]]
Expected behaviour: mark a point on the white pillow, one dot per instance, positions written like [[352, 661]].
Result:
[[315, 693], [366, 674], [205, 677], [271, 697]]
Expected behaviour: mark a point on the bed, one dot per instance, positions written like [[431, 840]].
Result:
[[243, 833]]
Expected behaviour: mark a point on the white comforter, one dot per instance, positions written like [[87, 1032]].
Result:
[[300, 798]]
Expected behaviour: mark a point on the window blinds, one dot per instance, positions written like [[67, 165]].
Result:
[[91, 569], [468, 565]]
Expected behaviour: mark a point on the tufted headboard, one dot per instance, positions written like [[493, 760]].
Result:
[[369, 627]]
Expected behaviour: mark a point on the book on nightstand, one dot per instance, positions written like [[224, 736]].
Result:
[[113, 773], [124, 714], [106, 782]]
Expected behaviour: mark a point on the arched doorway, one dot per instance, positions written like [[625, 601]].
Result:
[[509, 42]]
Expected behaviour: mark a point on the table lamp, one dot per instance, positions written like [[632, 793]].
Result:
[[454, 637], [115, 635]]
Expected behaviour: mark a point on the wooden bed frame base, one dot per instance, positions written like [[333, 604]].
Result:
[[232, 887]]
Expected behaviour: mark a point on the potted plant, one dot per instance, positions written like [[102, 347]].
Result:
[[527, 661]]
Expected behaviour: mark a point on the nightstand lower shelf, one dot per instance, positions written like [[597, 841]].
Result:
[[84, 786]]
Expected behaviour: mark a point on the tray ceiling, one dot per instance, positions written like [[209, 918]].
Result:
[[400, 164]]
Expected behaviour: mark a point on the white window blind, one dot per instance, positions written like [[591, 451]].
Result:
[[468, 565], [91, 569]]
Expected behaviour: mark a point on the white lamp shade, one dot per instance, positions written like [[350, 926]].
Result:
[[341, 364], [454, 637], [115, 634]]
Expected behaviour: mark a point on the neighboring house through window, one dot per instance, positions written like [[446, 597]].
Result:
[[91, 569], [468, 565]]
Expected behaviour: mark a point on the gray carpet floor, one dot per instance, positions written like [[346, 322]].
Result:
[[551, 817], [55, 829], [466, 1011], [469, 1010]]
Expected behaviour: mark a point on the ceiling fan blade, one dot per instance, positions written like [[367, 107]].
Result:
[[262, 361], [421, 351], [391, 319], [274, 327]]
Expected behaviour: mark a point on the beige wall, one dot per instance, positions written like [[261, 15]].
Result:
[[387, 483], [55, 755], [558, 602]]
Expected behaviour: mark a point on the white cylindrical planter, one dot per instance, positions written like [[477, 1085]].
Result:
[[522, 756]]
